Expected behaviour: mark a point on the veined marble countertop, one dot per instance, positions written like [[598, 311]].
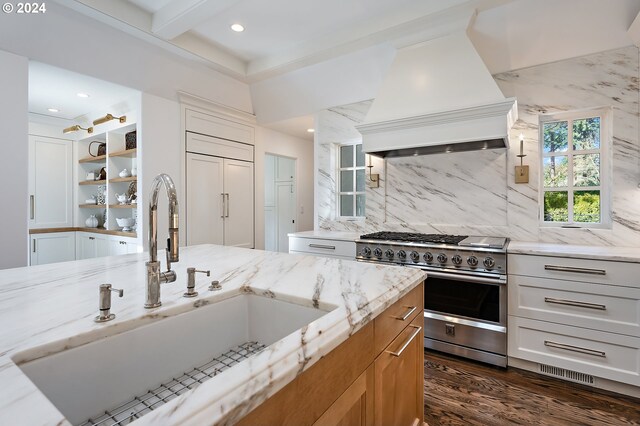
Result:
[[617, 254], [327, 235], [49, 308]]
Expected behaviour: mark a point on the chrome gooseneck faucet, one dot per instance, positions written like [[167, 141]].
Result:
[[154, 276]]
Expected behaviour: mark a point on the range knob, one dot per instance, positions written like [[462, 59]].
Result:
[[389, 253], [472, 261], [428, 257], [488, 262], [378, 252], [402, 254], [414, 256], [366, 252], [442, 258], [456, 259]]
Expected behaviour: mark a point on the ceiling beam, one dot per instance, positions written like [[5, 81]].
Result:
[[179, 16]]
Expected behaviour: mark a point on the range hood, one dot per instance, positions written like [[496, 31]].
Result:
[[438, 96]]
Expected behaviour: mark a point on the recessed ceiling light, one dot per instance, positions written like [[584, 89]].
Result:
[[311, 130], [237, 28], [53, 110], [82, 95]]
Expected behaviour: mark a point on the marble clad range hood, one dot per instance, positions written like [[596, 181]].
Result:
[[438, 96]]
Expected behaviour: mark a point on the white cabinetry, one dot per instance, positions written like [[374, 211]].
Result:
[[52, 247], [220, 195], [90, 245], [581, 315], [50, 182], [325, 247]]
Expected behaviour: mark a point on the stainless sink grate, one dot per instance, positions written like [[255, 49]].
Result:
[[141, 405]]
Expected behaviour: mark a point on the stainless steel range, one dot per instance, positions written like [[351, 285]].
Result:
[[465, 295]]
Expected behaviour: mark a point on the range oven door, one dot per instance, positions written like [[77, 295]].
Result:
[[466, 315]]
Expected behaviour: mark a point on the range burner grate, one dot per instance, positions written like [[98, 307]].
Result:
[[415, 238]]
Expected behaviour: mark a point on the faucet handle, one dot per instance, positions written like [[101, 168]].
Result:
[[191, 281], [168, 253], [105, 302]]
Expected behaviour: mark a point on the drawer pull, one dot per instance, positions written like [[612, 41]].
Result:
[[415, 333], [576, 303], [574, 269], [322, 246], [412, 309], [574, 349]]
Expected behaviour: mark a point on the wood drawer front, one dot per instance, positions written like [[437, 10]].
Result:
[[214, 126], [395, 318], [611, 356], [346, 249], [583, 270], [200, 144], [600, 307]]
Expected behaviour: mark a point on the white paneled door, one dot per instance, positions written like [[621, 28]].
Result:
[[286, 202], [238, 219], [205, 194]]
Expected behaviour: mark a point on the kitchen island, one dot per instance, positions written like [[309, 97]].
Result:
[[50, 308]]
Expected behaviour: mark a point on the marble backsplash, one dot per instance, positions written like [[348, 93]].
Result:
[[474, 192]]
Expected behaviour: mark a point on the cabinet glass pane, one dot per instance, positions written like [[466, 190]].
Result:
[[556, 169], [360, 205], [360, 180], [346, 181], [586, 206], [555, 136], [359, 156], [346, 156], [586, 170], [556, 206], [586, 133], [346, 205]]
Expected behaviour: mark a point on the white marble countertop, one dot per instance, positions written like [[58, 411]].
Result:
[[50, 308], [327, 235], [617, 254]]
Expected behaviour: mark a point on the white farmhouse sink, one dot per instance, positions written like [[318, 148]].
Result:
[[85, 381]]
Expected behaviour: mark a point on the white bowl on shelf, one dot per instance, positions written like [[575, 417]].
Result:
[[126, 223]]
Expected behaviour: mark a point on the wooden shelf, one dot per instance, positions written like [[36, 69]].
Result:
[[125, 179], [123, 206], [92, 182], [92, 206], [125, 153], [98, 159]]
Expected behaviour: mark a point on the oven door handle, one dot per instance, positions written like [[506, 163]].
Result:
[[468, 278]]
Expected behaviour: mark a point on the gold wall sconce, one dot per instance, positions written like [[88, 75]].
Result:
[[522, 171], [75, 128], [109, 117], [373, 180]]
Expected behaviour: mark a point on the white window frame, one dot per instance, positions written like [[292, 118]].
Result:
[[606, 140], [354, 168]]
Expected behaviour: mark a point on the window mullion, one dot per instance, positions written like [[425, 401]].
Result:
[[570, 176]]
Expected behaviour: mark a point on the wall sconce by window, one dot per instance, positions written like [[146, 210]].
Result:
[[75, 128], [373, 180], [109, 117], [522, 171]]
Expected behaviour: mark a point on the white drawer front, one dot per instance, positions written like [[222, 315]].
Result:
[[208, 145], [214, 126], [584, 270], [321, 255], [611, 356], [600, 307], [346, 249]]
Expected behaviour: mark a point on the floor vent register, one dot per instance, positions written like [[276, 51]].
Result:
[[573, 376]]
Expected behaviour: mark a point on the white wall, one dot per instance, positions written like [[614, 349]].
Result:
[[271, 142], [69, 40], [160, 152], [14, 215]]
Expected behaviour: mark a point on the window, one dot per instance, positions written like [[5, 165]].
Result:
[[351, 181], [574, 164]]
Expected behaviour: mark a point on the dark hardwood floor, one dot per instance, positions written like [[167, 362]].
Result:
[[463, 392]]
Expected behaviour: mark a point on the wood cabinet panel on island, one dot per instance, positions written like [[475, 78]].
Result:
[[356, 383]]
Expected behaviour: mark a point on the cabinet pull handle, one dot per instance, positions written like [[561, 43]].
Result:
[[92, 238], [576, 303], [322, 246], [412, 309], [222, 214], [34, 245], [227, 204], [575, 269], [32, 207], [575, 349], [413, 335]]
